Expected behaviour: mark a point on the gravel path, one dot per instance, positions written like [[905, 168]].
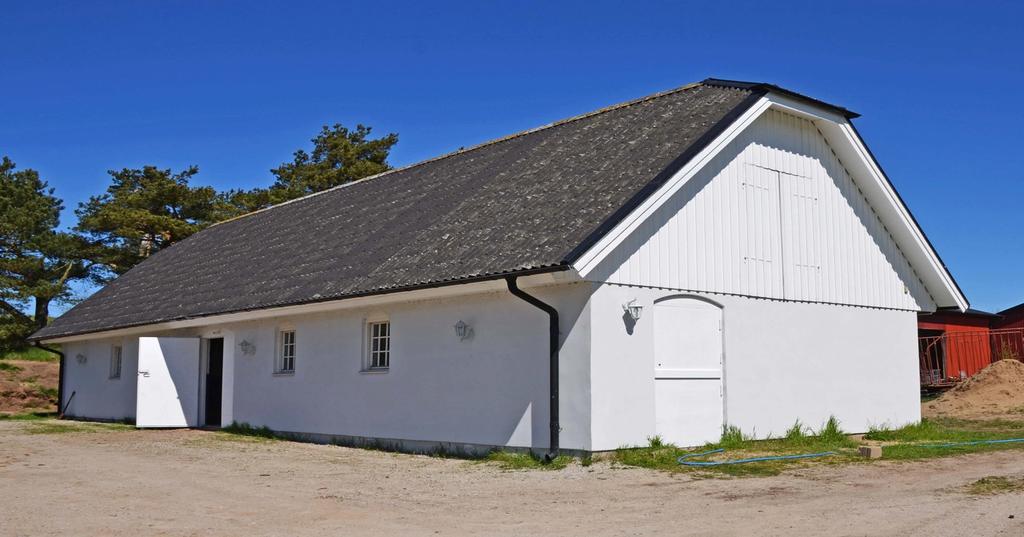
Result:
[[128, 483]]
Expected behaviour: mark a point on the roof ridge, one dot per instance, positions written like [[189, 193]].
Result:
[[488, 143]]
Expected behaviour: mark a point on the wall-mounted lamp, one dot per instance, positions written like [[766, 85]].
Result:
[[633, 309], [248, 348], [81, 358], [463, 331]]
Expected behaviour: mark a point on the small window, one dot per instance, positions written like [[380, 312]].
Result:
[[286, 352], [379, 349], [115, 361]]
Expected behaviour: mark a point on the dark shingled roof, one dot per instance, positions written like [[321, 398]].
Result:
[[531, 202]]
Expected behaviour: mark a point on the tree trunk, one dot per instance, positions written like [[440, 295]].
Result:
[[42, 314]]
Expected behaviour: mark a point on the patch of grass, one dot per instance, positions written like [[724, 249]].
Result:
[[28, 416], [796, 433], [732, 438], [739, 445], [995, 485], [526, 461], [831, 433], [244, 429], [51, 426], [916, 441], [50, 393], [30, 354], [4, 366]]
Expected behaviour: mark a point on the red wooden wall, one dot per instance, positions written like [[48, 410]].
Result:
[[967, 349]]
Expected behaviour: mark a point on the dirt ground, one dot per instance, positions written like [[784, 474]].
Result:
[[126, 482], [28, 386]]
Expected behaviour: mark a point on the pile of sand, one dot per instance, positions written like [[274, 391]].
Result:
[[996, 391]]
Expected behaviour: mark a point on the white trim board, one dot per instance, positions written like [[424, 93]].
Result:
[[434, 293], [851, 152]]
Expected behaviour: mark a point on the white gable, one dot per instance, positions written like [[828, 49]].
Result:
[[774, 214]]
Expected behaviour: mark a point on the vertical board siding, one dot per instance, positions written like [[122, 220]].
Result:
[[775, 215]]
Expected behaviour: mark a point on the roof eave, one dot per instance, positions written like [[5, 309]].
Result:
[[571, 275]]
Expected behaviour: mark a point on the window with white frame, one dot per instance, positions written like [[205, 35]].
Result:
[[285, 351], [116, 353], [378, 355]]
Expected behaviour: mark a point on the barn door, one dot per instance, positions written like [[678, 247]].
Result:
[[688, 388], [168, 382]]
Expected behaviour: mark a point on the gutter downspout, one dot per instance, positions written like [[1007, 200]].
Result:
[[60, 377], [553, 332]]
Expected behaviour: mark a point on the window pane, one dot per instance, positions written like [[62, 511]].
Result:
[[286, 357]]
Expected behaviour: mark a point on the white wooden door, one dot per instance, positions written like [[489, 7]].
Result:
[[168, 382], [688, 389]]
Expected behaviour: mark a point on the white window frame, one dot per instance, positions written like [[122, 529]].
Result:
[[116, 361], [285, 353], [377, 350]]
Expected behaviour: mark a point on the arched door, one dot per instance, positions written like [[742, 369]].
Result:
[[688, 355]]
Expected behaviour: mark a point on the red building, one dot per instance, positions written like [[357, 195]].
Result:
[[1008, 334], [955, 345]]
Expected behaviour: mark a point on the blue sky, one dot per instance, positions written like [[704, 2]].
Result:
[[236, 87]]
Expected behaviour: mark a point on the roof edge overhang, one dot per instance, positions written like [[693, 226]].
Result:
[[764, 88], [834, 123], [429, 291]]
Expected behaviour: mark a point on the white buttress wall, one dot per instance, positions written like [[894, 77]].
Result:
[[96, 395], [784, 361]]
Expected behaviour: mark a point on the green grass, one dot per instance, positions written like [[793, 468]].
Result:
[[526, 461], [911, 442], [51, 426], [28, 416], [990, 485], [4, 366], [30, 354], [246, 430], [737, 445]]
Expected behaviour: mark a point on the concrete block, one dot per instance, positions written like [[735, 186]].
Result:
[[871, 452]]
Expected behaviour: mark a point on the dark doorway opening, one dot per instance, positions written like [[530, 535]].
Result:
[[214, 381]]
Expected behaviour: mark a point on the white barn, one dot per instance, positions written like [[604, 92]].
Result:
[[725, 253]]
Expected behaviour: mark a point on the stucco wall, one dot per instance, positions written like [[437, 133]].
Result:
[[783, 361], [489, 389], [96, 395]]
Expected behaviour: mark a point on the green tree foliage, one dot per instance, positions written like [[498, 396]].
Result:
[[37, 261], [145, 210], [339, 156]]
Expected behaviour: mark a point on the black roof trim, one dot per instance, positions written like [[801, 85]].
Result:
[[763, 87], [970, 311], [1012, 310]]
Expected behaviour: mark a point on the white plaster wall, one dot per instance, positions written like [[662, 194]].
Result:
[[96, 395], [783, 361], [490, 389]]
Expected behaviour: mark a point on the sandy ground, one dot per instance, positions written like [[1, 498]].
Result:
[[993, 392], [196, 483]]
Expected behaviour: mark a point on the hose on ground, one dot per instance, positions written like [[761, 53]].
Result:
[[974, 443], [685, 459]]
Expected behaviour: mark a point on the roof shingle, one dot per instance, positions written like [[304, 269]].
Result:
[[528, 202]]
